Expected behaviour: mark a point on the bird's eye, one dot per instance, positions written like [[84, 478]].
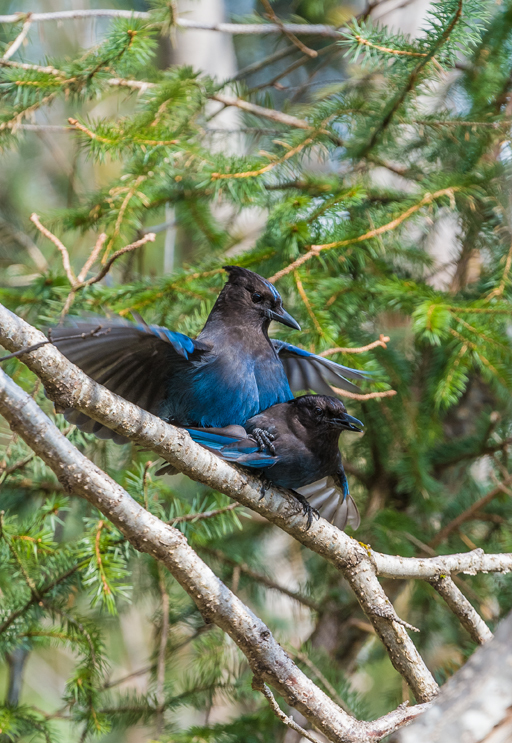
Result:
[[257, 298], [318, 411]]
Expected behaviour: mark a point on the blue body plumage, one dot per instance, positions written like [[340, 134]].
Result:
[[229, 373]]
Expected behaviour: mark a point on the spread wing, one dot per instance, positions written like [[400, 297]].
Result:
[[132, 360], [307, 371], [331, 498]]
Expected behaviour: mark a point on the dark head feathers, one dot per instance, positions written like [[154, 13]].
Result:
[[253, 282], [322, 411], [253, 298]]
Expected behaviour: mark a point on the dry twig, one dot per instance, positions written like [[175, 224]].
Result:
[[382, 342], [79, 282], [273, 17], [18, 41]]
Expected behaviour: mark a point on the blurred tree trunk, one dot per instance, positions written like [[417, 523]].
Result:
[[475, 706]]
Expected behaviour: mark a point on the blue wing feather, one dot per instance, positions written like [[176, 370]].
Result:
[[243, 451]]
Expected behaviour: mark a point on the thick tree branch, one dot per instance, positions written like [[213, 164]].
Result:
[[215, 601], [72, 388], [458, 603], [475, 704]]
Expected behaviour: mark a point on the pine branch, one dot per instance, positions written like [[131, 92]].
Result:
[[315, 250]]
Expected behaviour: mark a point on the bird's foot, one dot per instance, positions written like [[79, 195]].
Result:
[[264, 440], [307, 509], [265, 485]]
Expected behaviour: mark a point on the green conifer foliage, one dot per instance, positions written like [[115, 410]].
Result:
[[349, 251]]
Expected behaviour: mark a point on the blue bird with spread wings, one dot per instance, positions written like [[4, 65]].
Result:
[[229, 373]]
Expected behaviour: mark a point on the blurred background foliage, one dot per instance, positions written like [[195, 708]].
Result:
[[408, 145]]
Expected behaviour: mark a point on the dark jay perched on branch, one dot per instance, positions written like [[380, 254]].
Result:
[[229, 373], [295, 446]]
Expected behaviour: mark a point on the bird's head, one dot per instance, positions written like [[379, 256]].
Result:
[[320, 412], [254, 297]]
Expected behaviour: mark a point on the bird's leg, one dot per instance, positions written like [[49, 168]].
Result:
[[264, 440], [307, 508], [265, 485]]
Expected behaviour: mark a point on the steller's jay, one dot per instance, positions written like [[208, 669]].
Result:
[[295, 446], [230, 372]]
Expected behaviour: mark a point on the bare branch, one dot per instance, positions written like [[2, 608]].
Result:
[[215, 601], [259, 685], [312, 53], [458, 603], [95, 252], [408, 568], [267, 113], [18, 41], [382, 342], [263, 579], [226, 28], [203, 515], [62, 248], [150, 237], [365, 395]]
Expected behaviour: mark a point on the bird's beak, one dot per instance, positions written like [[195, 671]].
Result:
[[349, 423], [283, 317]]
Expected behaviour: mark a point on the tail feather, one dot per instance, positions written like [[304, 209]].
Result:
[[335, 506]]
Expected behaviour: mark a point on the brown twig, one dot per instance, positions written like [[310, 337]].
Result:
[[265, 168], [307, 303], [365, 395], [97, 331], [244, 29], [78, 283], [204, 515], [382, 342], [303, 658], [263, 579], [92, 258], [273, 17], [150, 237], [259, 685], [62, 248], [468, 514]]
